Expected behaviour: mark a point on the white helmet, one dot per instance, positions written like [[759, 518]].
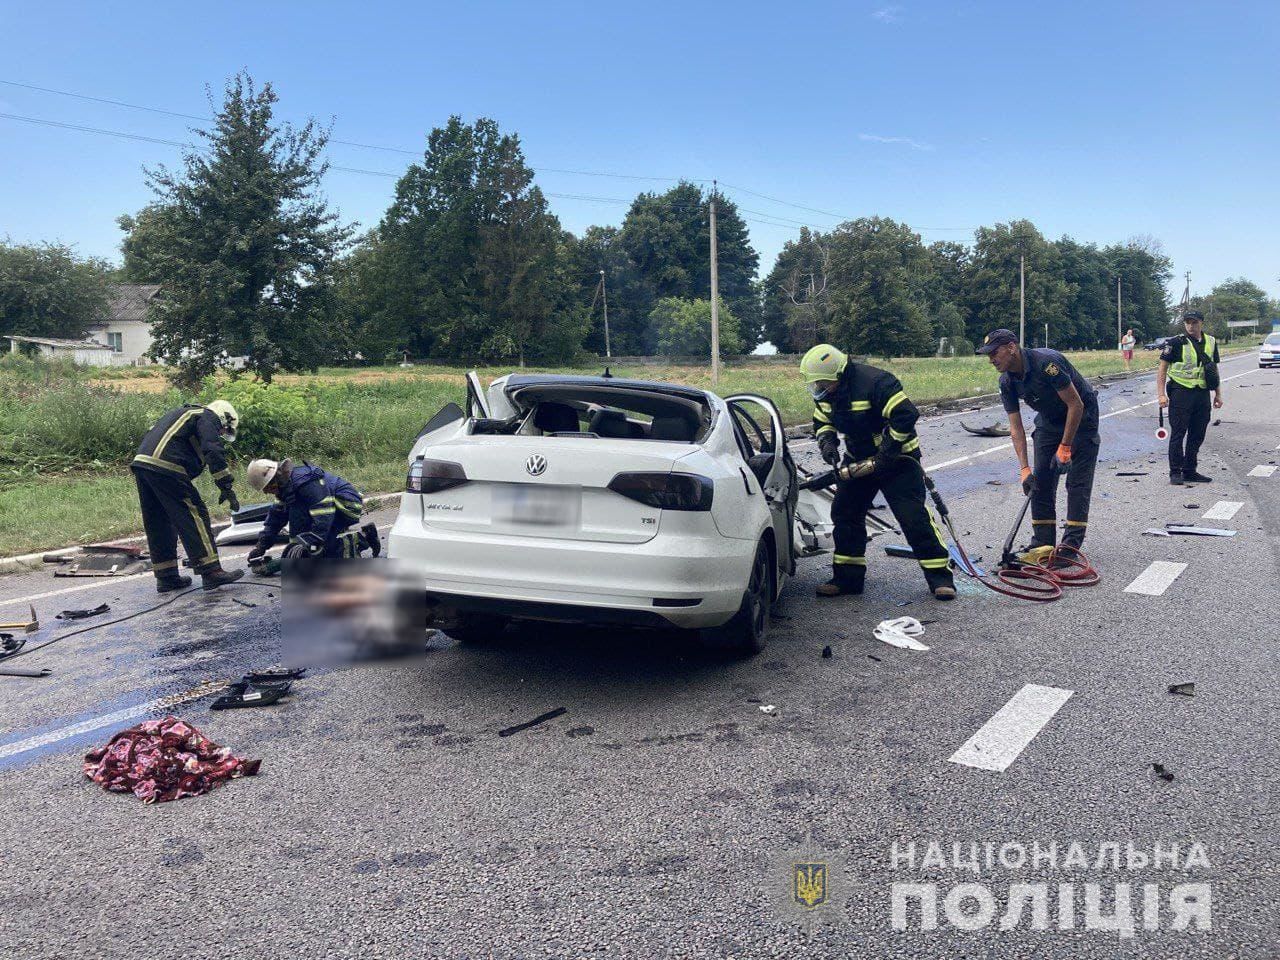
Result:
[[227, 416], [261, 473]]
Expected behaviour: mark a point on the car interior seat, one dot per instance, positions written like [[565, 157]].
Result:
[[611, 423], [554, 417], [672, 428]]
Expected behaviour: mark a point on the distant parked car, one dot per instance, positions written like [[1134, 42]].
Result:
[[1269, 352], [1156, 344]]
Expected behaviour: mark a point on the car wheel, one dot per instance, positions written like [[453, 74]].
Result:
[[747, 632], [476, 627]]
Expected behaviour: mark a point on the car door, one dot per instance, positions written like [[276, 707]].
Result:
[[759, 424]]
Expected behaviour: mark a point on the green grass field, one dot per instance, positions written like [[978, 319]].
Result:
[[66, 435]]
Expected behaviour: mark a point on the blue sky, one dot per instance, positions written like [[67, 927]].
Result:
[[1096, 120]]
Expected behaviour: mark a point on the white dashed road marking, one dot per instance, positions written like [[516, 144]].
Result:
[[1222, 510], [1262, 470], [1002, 738], [1157, 578], [110, 719]]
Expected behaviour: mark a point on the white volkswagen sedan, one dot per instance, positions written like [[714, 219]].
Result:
[[601, 500]]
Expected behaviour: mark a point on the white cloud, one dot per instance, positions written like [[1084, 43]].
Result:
[[913, 144], [889, 14]]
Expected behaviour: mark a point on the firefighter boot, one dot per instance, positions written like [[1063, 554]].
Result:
[[172, 582], [845, 581], [217, 577]]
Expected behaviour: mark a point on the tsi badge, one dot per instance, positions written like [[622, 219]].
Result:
[[810, 884], [536, 465]]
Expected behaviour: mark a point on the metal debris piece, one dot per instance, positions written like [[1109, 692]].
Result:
[[83, 614], [1180, 528], [1161, 772], [991, 430], [1183, 689], [826, 653], [1155, 532], [28, 626], [1133, 473], [541, 718], [1192, 506], [243, 603], [769, 709], [16, 672], [101, 560]]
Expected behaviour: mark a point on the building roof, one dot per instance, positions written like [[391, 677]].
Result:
[[58, 344], [128, 301]]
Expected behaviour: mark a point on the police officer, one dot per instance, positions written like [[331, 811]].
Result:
[[869, 408], [318, 507], [1066, 435], [173, 453], [1190, 361]]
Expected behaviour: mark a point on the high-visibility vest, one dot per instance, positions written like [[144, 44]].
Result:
[[1189, 371]]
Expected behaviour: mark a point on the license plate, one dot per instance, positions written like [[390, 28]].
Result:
[[542, 506]]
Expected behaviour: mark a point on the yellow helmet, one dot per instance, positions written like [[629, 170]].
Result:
[[823, 362], [228, 419]]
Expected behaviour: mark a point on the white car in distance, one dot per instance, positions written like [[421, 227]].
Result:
[[600, 500], [1269, 351]]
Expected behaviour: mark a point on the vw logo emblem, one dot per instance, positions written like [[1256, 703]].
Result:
[[536, 465]]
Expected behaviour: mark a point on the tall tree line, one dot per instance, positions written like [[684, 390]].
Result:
[[469, 264]]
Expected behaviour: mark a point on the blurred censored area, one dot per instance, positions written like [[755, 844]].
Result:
[[351, 611]]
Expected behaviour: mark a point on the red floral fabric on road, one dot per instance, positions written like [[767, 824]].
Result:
[[165, 759]]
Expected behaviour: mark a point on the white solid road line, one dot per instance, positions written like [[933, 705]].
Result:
[[1156, 579], [1262, 470], [1002, 738], [112, 581], [110, 719], [1222, 510]]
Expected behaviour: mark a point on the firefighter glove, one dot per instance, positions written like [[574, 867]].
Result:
[[258, 552], [1064, 453], [829, 448], [1028, 481], [228, 496]]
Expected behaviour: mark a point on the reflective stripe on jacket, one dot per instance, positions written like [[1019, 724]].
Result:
[[868, 408], [1188, 371], [183, 442]]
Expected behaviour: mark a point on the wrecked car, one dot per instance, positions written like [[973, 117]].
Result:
[[603, 500]]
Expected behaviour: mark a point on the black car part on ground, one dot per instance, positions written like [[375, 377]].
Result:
[[83, 614]]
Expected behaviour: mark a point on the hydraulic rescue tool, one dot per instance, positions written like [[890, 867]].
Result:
[[1063, 565]]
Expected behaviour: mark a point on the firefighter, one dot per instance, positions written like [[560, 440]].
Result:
[[1065, 439], [1188, 373], [868, 407], [173, 453], [317, 506]]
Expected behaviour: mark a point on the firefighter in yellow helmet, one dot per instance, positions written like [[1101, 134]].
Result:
[[867, 407], [173, 453]]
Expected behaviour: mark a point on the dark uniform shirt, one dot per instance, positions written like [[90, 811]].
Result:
[[869, 408], [183, 442], [1047, 371], [310, 500]]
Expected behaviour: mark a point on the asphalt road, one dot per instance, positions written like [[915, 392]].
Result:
[[663, 814]]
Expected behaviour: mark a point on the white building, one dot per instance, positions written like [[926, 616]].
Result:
[[126, 330], [86, 352]]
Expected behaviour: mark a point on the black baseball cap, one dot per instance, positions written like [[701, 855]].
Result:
[[996, 338], [1193, 315]]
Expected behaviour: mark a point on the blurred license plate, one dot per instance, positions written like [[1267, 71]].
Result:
[[538, 505]]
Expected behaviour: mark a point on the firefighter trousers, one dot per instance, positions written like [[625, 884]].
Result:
[[172, 509], [903, 489], [1044, 509]]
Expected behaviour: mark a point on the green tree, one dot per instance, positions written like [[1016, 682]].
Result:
[[249, 269], [1144, 273], [47, 291], [682, 328], [467, 261], [797, 294], [879, 275], [993, 287], [149, 240]]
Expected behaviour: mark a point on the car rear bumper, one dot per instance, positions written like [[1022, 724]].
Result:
[[688, 581]]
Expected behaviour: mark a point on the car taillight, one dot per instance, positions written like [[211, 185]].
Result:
[[432, 476], [666, 491]]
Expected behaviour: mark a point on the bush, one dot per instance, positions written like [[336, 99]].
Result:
[[683, 328]]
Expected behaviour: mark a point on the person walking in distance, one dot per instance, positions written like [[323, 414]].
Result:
[[1127, 343], [1188, 374]]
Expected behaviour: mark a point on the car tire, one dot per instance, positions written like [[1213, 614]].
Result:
[[747, 632], [476, 627]]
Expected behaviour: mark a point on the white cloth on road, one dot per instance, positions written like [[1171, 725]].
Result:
[[900, 632]]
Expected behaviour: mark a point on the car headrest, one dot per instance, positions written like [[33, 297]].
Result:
[[555, 418], [671, 428], [610, 423]]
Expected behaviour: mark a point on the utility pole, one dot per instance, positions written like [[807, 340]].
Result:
[[605, 293], [1046, 335], [1119, 331], [715, 295], [1022, 300]]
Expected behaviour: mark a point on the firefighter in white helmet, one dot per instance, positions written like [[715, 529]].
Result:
[[318, 507]]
